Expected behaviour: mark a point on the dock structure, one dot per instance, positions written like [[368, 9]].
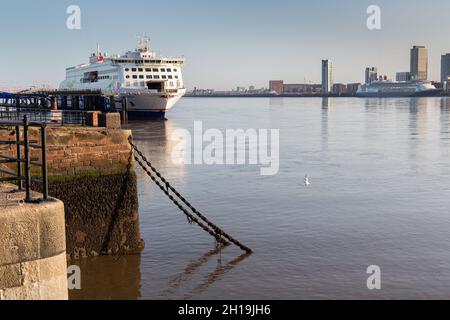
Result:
[[67, 102]]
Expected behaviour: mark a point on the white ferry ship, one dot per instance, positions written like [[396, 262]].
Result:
[[398, 89], [152, 84]]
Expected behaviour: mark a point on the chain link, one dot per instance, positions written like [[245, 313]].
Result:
[[201, 220]]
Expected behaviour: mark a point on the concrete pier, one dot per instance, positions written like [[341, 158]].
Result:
[[32, 248]]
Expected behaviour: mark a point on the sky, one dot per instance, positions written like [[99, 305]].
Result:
[[226, 43]]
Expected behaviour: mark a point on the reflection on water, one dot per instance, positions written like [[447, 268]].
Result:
[[221, 269], [380, 195], [109, 278]]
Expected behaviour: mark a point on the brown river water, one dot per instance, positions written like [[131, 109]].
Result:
[[379, 195]]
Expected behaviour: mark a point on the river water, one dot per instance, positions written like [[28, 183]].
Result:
[[379, 195]]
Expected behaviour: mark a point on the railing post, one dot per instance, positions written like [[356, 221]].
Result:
[[27, 160], [44, 161], [19, 159]]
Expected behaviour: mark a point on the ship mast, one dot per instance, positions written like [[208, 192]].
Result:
[[143, 43]]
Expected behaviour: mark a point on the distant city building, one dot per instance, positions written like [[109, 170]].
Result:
[[371, 75], [202, 92], [276, 86], [352, 88], [327, 76], [445, 67], [419, 63], [403, 76], [280, 87], [252, 88], [301, 88], [241, 89], [339, 88]]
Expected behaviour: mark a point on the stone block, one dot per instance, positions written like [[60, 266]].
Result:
[[110, 120]]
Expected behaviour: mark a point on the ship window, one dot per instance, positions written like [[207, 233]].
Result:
[[149, 76], [134, 69], [170, 77], [127, 69], [90, 77], [175, 70], [134, 76], [128, 77], [164, 77], [169, 70], [141, 77], [140, 70], [155, 77], [148, 70], [163, 70], [155, 70], [176, 77]]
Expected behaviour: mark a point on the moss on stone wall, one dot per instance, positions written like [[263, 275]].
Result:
[[101, 214]]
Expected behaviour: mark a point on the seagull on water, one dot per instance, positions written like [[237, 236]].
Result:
[[307, 181]]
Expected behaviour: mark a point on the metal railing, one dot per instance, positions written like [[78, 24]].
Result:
[[58, 117], [23, 160]]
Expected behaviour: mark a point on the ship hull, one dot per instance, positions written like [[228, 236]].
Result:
[[426, 93], [144, 105], [146, 115]]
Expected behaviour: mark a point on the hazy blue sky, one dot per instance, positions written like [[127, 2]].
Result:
[[226, 43]]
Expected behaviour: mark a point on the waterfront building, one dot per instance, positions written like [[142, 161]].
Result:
[[276, 86], [371, 74], [403, 76], [339, 88], [327, 76], [352, 88], [419, 63], [445, 67], [301, 88]]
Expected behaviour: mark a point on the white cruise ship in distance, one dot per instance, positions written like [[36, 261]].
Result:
[[385, 88], [152, 84]]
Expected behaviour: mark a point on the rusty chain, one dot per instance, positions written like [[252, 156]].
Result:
[[165, 186]]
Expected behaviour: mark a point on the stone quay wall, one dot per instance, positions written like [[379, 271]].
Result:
[[91, 170]]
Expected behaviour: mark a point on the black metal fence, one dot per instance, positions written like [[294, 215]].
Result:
[[58, 117], [23, 160]]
